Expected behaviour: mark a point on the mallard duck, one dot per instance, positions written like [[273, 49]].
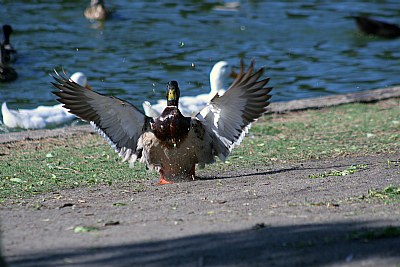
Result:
[[42, 116], [376, 27], [8, 53], [96, 10], [172, 144], [190, 105]]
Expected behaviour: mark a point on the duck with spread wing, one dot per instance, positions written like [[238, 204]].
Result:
[[172, 144]]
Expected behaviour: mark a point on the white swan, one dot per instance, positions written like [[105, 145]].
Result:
[[190, 105], [42, 116]]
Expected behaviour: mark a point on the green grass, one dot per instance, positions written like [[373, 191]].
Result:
[[41, 167], [356, 129], [352, 169], [389, 194]]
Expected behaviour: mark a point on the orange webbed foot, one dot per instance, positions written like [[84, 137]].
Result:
[[162, 180]]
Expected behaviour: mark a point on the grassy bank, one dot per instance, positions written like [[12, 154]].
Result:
[[47, 165]]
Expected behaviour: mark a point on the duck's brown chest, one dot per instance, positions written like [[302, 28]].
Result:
[[171, 127]]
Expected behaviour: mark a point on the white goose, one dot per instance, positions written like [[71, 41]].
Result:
[[42, 116], [190, 105]]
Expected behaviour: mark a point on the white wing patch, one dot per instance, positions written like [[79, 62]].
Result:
[[228, 118], [126, 154]]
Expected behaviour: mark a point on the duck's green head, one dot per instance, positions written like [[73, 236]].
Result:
[[173, 93]]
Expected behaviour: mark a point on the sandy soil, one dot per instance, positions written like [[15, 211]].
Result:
[[266, 216]]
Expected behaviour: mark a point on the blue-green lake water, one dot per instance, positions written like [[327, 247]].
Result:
[[310, 48]]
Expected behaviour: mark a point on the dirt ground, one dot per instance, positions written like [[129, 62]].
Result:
[[266, 216]]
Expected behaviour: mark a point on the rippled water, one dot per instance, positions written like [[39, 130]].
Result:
[[311, 48]]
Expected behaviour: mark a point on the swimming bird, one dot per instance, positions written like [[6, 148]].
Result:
[[7, 73], [377, 27], [96, 10], [190, 105], [42, 116], [8, 53], [172, 143]]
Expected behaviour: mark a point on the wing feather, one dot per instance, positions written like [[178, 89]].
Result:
[[119, 122], [227, 118]]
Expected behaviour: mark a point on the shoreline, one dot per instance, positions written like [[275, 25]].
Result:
[[368, 96]]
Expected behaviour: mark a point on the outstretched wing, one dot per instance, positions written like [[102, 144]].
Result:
[[227, 118], [119, 122]]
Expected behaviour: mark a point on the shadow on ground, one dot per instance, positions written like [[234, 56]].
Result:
[[299, 167], [262, 245]]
